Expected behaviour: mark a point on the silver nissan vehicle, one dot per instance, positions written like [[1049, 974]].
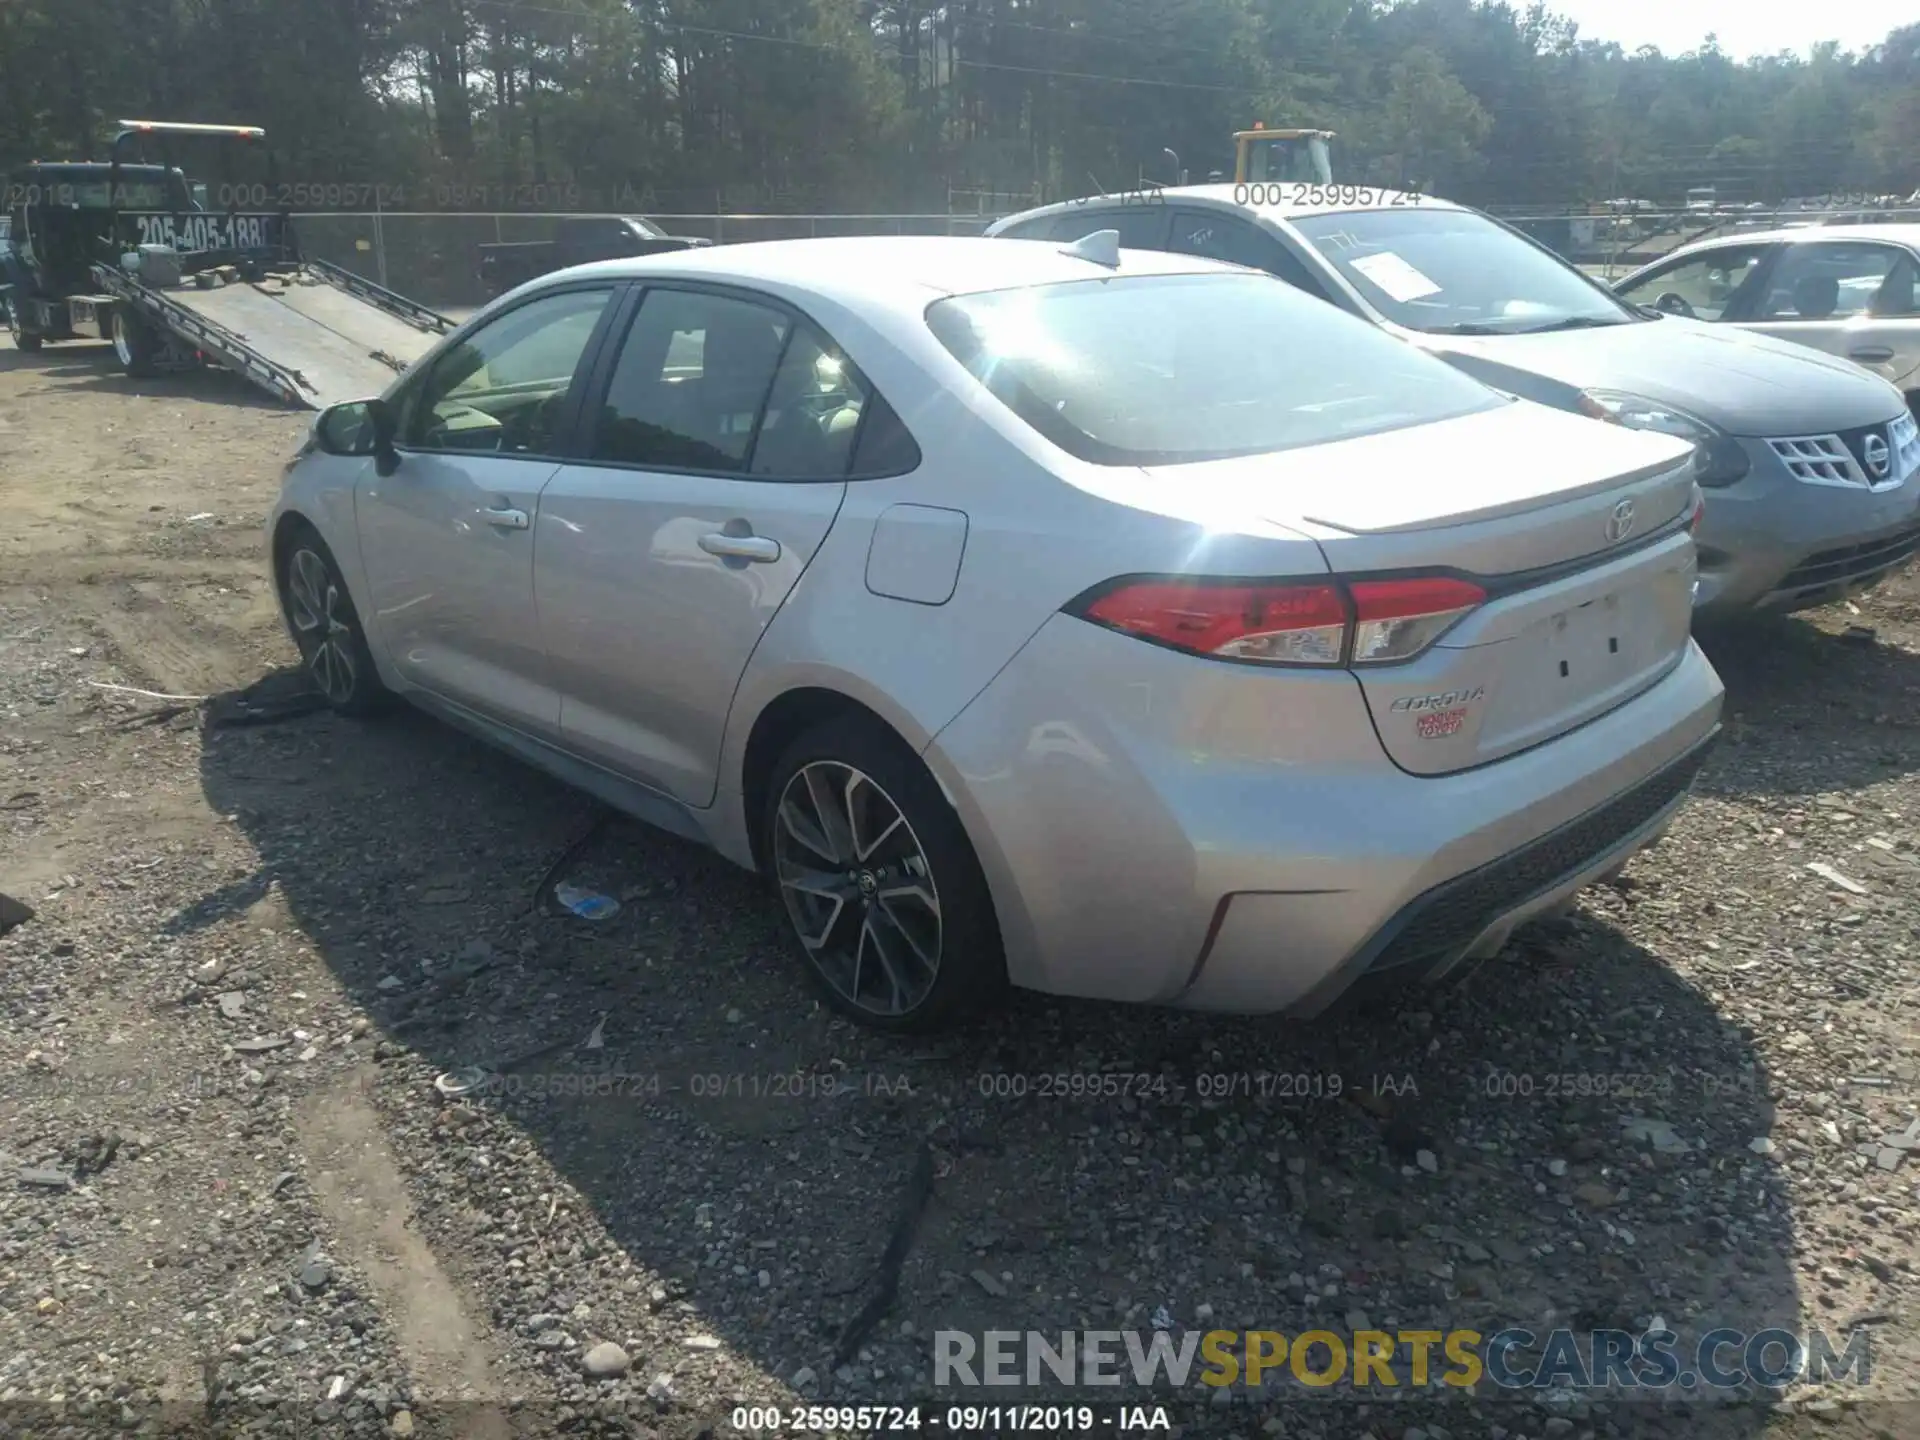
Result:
[[1810, 464], [1114, 625]]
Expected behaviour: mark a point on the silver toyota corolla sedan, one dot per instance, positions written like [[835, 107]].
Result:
[[1811, 464], [1117, 625]]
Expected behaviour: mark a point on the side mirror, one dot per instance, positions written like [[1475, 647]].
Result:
[[359, 427]]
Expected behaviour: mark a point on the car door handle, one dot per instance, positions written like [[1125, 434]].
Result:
[[740, 547], [507, 519], [1872, 354]]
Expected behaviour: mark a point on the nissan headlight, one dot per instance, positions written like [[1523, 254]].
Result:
[[1719, 461]]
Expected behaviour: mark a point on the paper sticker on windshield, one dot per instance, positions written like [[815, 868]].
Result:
[[1395, 276]]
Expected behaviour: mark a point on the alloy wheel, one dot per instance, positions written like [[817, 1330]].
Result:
[[122, 340], [318, 611], [858, 888]]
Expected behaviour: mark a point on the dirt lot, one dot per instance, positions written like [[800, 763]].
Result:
[[257, 945]]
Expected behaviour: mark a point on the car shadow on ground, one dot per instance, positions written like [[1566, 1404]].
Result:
[[1565, 1140], [1789, 683], [89, 366]]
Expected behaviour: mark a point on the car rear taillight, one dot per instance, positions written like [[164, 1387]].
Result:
[[1280, 624], [1397, 619], [1328, 622], [1699, 514]]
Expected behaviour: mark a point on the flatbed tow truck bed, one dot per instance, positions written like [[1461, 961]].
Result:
[[313, 334]]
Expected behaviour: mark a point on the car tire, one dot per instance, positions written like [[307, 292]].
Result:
[[881, 891], [134, 345], [320, 616]]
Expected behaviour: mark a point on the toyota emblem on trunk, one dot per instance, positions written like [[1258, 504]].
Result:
[[1878, 457], [1620, 523]]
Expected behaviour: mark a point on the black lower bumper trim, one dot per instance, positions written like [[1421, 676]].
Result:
[[1436, 927], [1850, 565]]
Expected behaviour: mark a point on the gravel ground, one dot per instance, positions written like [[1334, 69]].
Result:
[[242, 1204]]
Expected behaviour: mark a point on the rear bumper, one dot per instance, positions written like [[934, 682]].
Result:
[[1773, 542], [1471, 916], [1175, 831]]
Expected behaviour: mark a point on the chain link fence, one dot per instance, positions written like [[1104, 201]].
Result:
[[434, 258]]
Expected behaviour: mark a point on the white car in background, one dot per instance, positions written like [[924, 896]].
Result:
[[1811, 465], [1850, 290]]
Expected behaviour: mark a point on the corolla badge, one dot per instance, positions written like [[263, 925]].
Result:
[[1620, 522], [1444, 700]]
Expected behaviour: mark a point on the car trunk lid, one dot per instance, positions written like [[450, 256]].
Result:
[[1575, 530]]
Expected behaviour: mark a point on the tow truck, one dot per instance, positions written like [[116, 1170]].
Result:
[[131, 251]]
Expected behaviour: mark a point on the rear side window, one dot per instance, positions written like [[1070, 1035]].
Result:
[[1240, 242], [1221, 237], [1171, 369], [813, 413], [1039, 228], [1830, 280], [886, 446], [1141, 227]]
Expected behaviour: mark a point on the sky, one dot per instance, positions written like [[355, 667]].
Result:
[[1744, 27]]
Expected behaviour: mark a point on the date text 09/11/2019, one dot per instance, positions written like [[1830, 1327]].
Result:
[[962, 1419], [701, 1085]]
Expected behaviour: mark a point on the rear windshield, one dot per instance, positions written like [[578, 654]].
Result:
[[102, 195], [1172, 369], [94, 189]]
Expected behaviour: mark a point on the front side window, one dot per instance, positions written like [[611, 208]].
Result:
[[1169, 369], [503, 388], [1456, 272], [1700, 287], [1836, 281]]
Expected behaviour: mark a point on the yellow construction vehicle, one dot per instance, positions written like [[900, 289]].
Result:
[[1262, 155]]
